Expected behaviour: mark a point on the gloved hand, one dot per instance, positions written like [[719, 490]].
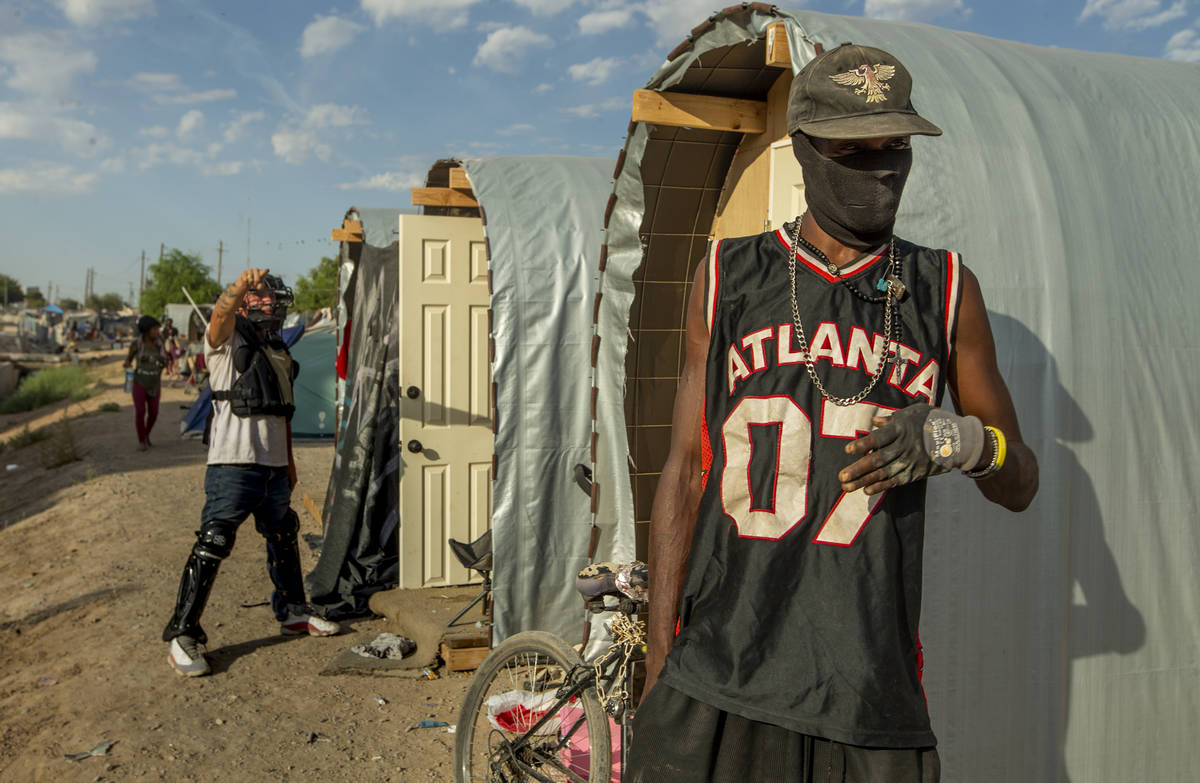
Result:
[[913, 443]]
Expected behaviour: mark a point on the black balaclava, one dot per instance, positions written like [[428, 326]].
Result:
[[853, 198]]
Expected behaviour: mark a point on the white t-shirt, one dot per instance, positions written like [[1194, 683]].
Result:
[[256, 440]]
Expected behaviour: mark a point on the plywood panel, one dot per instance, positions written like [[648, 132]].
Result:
[[745, 200]]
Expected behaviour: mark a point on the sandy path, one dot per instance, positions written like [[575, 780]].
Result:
[[90, 555]]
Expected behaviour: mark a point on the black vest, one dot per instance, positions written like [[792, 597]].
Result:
[[801, 603], [265, 372]]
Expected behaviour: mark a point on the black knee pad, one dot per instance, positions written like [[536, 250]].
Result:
[[285, 530], [214, 539]]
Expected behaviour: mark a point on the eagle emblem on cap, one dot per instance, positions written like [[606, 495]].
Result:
[[871, 80]]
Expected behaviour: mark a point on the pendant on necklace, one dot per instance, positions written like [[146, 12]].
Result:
[[897, 287], [833, 268]]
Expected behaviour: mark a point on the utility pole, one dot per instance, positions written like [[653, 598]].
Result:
[[141, 282], [220, 255]]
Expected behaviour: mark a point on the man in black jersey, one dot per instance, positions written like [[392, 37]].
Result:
[[786, 570]]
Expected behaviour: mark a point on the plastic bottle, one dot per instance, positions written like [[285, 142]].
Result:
[[129, 381]]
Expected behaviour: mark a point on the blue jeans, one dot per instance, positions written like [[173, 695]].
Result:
[[232, 493]]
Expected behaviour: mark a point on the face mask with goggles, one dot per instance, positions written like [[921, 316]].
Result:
[[273, 294]]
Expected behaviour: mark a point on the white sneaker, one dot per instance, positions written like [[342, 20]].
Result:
[[310, 624], [187, 657]]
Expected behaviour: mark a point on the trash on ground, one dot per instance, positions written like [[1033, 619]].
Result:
[[429, 724], [386, 646], [253, 605], [99, 750], [12, 467], [46, 681], [452, 729], [315, 737], [380, 701], [429, 674]]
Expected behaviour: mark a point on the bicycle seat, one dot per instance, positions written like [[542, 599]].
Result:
[[620, 580]]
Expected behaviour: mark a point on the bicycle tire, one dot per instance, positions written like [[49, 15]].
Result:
[[533, 661]]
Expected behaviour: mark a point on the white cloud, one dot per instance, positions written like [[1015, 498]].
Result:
[[237, 127], [438, 13], [158, 81], [544, 7], [589, 110], [912, 9], [189, 124], [1183, 46], [93, 12], [202, 96], [388, 180], [155, 132], [327, 34], [332, 115], [512, 130], [1132, 14], [297, 138], [224, 169], [503, 47], [543, 88], [47, 179], [672, 20], [112, 165], [604, 20], [43, 65], [594, 72], [35, 122], [157, 154]]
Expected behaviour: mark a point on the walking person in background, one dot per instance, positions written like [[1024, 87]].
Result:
[[148, 358]]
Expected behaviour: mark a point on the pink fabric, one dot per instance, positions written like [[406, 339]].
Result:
[[145, 411], [578, 752]]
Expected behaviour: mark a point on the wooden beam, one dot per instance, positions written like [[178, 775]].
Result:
[[703, 112], [458, 179], [442, 197], [351, 231], [778, 54]]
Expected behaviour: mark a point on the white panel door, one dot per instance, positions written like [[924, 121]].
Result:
[[445, 402], [787, 185]]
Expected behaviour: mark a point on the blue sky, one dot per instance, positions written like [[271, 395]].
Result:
[[129, 123]]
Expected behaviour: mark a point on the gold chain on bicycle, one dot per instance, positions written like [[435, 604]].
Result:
[[628, 634]]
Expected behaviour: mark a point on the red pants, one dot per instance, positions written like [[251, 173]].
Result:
[[145, 411]]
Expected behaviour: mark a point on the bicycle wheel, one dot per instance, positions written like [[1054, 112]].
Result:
[[498, 740]]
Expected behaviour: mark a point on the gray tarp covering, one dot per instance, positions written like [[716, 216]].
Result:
[[1063, 643], [544, 225], [360, 554]]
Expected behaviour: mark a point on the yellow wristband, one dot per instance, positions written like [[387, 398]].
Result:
[[1001, 446]]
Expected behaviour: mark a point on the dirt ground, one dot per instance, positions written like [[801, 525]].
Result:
[[90, 556]]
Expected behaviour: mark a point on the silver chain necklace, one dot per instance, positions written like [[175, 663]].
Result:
[[886, 356]]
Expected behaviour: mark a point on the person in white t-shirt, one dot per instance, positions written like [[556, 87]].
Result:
[[250, 465]]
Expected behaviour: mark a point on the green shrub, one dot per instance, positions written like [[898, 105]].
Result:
[[47, 386], [109, 407], [61, 447]]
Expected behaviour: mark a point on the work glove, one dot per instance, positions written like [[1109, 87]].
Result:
[[912, 444]]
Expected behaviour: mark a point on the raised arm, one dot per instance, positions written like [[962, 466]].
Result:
[[673, 516], [978, 389], [224, 313]]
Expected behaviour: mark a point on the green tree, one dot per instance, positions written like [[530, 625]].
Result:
[[318, 288], [10, 290], [34, 299], [67, 303], [166, 278], [108, 301]]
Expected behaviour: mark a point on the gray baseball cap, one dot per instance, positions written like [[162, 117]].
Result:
[[855, 92]]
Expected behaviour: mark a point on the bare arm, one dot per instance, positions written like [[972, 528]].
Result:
[[224, 313], [978, 389], [673, 517]]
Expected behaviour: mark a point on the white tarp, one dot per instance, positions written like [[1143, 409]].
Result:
[[1062, 644], [544, 220]]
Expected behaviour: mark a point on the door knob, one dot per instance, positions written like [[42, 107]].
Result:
[[415, 446], [413, 392]]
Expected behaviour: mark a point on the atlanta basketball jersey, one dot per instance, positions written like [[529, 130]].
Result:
[[801, 602]]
